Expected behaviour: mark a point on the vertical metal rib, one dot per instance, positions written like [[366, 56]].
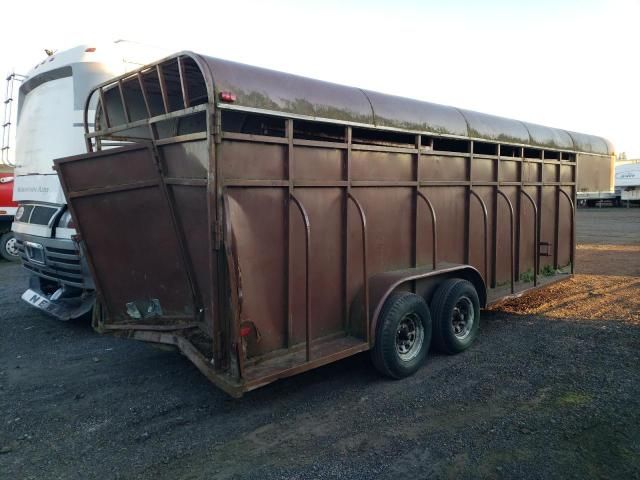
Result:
[[502, 194], [85, 118], [125, 109], [486, 233], [287, 220], [104, 107], [573, 228], [145, 95], [414, 205], [163, 88], [307, 231], [365, 274], [183, 83], [434, 227], [535, 236]]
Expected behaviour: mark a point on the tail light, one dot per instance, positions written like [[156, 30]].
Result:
[[227, 97]]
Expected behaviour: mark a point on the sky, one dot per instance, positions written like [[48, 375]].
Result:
[[565, 63]]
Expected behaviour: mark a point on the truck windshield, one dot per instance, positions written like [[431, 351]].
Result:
[[50, 116], [37, 143]]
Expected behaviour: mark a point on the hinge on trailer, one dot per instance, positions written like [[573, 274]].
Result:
[[217, 234], [217, 129]]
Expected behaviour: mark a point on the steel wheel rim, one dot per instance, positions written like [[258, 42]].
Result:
[[463, 318], [409, 337], [12, 247]]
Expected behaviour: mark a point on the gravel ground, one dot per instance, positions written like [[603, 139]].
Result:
[[536, 397], [613, 226]]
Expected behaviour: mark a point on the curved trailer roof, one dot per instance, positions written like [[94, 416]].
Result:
[[262, 90]]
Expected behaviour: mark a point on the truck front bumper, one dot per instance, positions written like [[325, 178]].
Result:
[[60, 284]]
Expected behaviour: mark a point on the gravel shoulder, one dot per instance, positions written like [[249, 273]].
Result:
[[552, 391]]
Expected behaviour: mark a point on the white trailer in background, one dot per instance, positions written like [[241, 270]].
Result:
[[50, 125], [595, 183], [628, 182]]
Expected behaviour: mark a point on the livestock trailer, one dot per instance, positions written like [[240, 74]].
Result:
[[267, 224]]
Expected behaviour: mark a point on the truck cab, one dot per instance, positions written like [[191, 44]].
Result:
[[50, 125]]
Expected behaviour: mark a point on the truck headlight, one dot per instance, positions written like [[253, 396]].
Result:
[[66, 221]]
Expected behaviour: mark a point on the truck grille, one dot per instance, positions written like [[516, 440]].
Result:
[[60, 264]]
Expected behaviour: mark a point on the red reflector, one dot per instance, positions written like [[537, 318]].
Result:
[[245, 331], [227, 96], [90, 49], [3, 212]]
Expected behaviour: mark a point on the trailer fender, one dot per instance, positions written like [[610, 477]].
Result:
[[383, 284]]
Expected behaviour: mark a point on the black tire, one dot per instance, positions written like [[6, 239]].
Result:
[[8, 247], [403, 335], [455, 298]]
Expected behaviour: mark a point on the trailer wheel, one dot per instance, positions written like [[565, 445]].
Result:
[[456, 315], [9, 247], [403, 335]]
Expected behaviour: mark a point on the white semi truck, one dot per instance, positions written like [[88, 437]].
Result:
[[50, 125]]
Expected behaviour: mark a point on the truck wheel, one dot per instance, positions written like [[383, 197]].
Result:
[[456, 315], [403, 335], [9, 247]]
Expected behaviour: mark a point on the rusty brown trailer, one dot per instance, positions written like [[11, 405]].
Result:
[[263, 222]]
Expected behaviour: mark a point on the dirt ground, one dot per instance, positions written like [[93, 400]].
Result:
[[551, 389], [607, 280]]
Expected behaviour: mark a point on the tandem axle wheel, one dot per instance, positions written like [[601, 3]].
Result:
[[407, 326]]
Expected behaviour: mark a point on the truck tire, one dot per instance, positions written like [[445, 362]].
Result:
[[403, 335], [456, 315], [9, 247]]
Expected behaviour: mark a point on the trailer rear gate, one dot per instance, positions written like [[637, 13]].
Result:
[[260, 220]]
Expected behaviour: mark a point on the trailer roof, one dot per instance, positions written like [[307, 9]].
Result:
[[268, 91], [265, 89]]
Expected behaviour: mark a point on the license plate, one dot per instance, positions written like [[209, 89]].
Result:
[[41, 302]]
